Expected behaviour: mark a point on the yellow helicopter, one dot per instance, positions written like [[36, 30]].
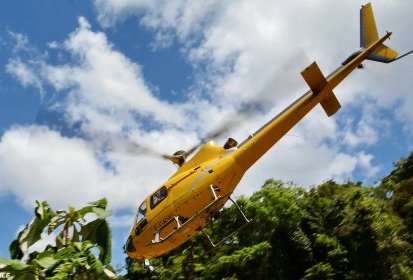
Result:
[[201, 186]]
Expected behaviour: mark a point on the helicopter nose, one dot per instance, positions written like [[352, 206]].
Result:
[[130, 247]]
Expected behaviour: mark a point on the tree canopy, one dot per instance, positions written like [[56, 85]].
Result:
[[343, 231], [331, 231]]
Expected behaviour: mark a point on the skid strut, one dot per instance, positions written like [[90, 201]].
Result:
[[247, 221]]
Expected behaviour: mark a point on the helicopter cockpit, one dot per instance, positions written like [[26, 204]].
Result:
[[141, 222], [155, 199]]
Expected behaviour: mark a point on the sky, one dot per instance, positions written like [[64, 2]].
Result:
[[79, 79]]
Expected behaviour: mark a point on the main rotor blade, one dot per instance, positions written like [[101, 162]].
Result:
[[131, 147], [260, 103], [223, 128], [124, 144]]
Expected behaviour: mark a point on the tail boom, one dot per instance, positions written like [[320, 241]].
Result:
[[321, 92]]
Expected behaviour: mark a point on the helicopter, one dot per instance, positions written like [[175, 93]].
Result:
[[193, 196]]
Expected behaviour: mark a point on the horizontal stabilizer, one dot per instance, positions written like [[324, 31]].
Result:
[[316, 81], [314, 78], [330, 104], [383, 54]]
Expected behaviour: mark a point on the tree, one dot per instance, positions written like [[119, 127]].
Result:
[[78, 234], [400, 182], [332, 231]]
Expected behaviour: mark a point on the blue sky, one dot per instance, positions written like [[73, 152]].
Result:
[[75, 74]]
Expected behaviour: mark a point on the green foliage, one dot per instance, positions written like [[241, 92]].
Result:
[[31, 233], [332, 231], [239, 260], [403, 170], [319, 271], [72, 255]]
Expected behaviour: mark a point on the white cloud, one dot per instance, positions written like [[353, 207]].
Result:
[[253, 41], [102, 85], [107, 93], [22, 72], [114, 11], [37, 163], [21, 42], [183, 16], [103, 80], [24, 62], [365, 162], [241, 50], [365, 129]]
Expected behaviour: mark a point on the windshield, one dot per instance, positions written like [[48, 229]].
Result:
[[141, 212]]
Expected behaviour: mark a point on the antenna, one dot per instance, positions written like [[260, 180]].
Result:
[[401, 56]]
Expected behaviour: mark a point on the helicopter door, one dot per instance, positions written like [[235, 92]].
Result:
[[161, 201], [172, 225]]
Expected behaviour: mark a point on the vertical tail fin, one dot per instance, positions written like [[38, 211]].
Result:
[[369, 35], [368, 28]]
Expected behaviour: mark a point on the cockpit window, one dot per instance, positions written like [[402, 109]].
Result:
[[157, 197], [141, 212]]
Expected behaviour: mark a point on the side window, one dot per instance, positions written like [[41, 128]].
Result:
[[157, 197], [141, 212]]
